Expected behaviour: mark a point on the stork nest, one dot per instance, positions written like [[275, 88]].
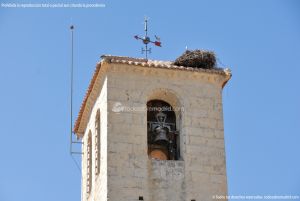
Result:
[[197, 59]]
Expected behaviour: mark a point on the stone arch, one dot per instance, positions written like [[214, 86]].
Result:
[[170, 97]]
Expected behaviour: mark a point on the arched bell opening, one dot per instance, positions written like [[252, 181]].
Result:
[[97, 142], [163, 137], [89, 153]]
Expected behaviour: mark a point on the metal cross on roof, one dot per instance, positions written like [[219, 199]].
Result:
[[146, 40]]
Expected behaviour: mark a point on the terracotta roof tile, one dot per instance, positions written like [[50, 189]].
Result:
[[89, 90], [158, 64]]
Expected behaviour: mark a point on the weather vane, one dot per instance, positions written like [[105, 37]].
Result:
[[146, 40]]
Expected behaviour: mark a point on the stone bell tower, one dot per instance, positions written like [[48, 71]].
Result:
[[152, 131]]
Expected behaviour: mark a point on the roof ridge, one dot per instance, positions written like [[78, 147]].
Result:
[[109, 57], [126, 59], [159, 63]]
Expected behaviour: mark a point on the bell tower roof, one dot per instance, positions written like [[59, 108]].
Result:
[[106, 62], [159, 64]]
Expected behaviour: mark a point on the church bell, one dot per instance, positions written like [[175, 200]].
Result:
[[161, 135]]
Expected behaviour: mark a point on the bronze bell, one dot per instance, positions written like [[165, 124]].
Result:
[[161, 135]]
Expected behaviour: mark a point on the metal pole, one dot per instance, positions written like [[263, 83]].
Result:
[[146, 35], [146, 51], [71, 87], [146, 26]]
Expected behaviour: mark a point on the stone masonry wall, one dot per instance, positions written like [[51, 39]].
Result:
[[99, 186], [201, 171]]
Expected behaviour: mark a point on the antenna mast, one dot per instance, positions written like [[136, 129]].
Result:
[[71, 101], [71, 87]]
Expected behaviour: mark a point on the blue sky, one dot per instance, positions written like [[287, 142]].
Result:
[[258, 40]]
